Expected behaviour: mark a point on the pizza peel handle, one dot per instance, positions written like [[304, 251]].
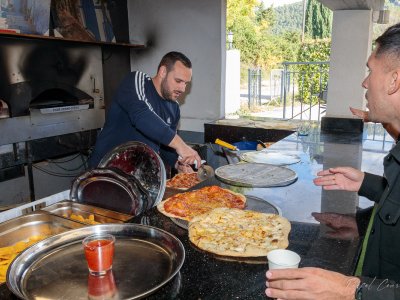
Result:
[[226, 145]]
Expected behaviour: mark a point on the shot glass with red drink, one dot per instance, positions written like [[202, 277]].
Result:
[[99, 253]]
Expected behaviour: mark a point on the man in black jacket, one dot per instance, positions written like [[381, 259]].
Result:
[[379, 263]]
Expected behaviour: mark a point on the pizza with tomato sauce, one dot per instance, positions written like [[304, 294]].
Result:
[[183, 181], [187, 205]]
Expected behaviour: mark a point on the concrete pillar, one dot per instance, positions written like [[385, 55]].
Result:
[[232, 81], [353, 158], [351, 47]]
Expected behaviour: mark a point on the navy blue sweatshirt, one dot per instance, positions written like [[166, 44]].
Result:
[[138, 113]]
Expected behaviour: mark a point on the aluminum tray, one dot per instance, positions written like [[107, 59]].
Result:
[[145, 259], [101, 215], [37, 223], [112, 189]]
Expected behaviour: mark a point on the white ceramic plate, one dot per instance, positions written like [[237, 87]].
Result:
[[271, 158]]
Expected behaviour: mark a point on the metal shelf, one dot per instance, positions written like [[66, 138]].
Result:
[[64, 40]]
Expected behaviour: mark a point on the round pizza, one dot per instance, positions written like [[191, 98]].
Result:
[[183, 181], [239, 233], [189, 204]]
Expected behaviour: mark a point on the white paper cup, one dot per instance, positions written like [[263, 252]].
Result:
[[283, 259]]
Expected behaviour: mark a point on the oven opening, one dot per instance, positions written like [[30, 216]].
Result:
[[54, 98], [4, 112]]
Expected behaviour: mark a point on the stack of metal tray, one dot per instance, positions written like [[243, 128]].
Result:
[[100, 215]]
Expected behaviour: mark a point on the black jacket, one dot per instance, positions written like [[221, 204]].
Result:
[[381, 269]]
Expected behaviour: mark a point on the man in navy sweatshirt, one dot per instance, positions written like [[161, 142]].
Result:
[[145, 109]]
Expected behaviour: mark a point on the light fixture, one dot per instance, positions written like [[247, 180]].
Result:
[[230, 39]]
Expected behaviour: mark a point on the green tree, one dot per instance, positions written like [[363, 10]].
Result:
[[318, 21], [265, 17], [313, 78], [251, 24], [240, 20], [288, 18]]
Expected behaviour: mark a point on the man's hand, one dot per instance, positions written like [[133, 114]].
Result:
[[188, 156], [310, 283], [344, 226], [340, 178], [183, 168]]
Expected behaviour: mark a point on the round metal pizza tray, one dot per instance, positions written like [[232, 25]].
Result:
[[145, 259], [112, 189], [256, 175], [252, 203]]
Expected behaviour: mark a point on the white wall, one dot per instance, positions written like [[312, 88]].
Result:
[[351, 46], [195, 28], [232, 81]]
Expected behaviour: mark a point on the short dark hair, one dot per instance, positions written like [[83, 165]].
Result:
[[171, 58], [389, 42]]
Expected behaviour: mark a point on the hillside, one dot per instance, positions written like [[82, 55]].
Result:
[[288, 17]]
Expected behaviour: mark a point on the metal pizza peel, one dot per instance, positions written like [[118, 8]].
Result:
[[204, 171]]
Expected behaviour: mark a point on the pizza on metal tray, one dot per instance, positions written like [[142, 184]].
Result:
[[183, 181], [187, 205], [239, 233]]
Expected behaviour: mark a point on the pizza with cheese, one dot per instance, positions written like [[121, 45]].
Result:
[[189, 204], [239, 233], [183, 181]]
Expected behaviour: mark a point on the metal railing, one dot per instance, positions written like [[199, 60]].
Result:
[[303, 90], [298, 91], [297, 100], [376, 132], [254, 87]]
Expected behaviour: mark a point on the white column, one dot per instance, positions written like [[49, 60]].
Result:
[[232, 81], [351, 47]]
